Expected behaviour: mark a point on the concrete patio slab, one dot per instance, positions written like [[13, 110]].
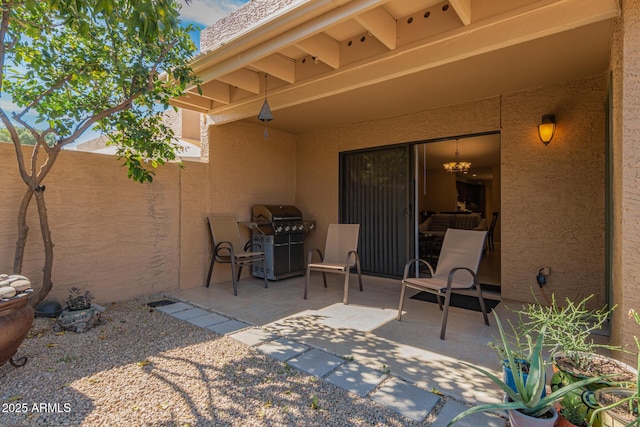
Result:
[[356, 378], [406, 399], [316, 362], [282, 349]]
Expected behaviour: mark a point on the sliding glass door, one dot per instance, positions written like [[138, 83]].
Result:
[[375, 192]]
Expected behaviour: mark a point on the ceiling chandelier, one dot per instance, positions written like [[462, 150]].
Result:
[[457, 166]]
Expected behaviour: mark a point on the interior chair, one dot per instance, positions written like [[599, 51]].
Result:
[[340, 255], [457, 270], [492, 228], [228, 249]]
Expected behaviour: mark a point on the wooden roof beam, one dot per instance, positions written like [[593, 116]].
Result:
[[322, 47], [216, 90], [243, 79], [463, 9], [382, 25], [278, 66]]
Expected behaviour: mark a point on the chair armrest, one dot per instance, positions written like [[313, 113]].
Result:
[[310, 255], [453, 272], [251, 244], [418, 261], [224, 246], [348, 260]]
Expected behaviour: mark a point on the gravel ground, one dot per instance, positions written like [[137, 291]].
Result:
[[145, 368]]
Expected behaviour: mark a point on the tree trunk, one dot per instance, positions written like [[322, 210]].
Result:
[[23, 232], [47, 283]]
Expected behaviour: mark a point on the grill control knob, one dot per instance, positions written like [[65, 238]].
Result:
[[286, 228], [279, 228]]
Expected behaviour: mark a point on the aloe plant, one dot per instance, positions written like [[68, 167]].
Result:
[[527, 398]]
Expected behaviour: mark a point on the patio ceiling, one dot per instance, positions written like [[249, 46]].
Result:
[[330, 63]]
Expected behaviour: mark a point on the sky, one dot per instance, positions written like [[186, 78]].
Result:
[[206, 12]]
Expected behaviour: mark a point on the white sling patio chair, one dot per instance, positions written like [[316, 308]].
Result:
[[228, 249], [340, 255], [457, 269]]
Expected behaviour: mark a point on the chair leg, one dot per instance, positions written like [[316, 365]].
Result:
[[359, 274], [233, 277], [306, 282], [324, 278], [345, 296], [445, 313], [404, 287], [482, 306], [213, 260], [239, 272], [264, 270]]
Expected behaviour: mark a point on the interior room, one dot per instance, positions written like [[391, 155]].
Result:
[[460, 176]]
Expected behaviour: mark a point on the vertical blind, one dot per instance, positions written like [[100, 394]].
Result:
[[375, 193]]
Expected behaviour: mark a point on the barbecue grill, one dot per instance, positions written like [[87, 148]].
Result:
[[280, 230]]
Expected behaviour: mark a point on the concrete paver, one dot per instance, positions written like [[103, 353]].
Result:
[[189, 313], [282, 349], [406, 399], [208, 319], [228, 326], [316, 362], [356, 378], [173, 308], [254, 336], [452, 408]]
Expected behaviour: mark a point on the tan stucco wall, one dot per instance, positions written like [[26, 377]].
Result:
[[552, 203], [625, 63], [248, 169], [114, 237]]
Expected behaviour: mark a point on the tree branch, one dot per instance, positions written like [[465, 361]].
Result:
[[18, 149], [55, 86]]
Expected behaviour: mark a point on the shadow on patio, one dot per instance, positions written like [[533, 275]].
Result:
[[367, 331]]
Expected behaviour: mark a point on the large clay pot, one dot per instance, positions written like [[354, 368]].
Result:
[[16, 317], [518, 419], [609, 418], [582, 399]]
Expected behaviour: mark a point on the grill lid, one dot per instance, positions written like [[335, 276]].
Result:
[[268, 214]]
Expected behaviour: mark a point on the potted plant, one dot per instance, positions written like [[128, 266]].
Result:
[[571, 416], [620, 406], [521, 348], [573, 350], [526, 406]]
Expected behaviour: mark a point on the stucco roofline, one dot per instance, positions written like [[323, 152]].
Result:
[[256, 22]]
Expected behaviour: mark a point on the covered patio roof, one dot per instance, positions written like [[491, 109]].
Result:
[[333, 62]]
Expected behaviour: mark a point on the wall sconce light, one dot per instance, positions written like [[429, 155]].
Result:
[[547, 128]]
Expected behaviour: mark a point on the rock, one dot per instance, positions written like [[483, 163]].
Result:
[[7, 292], [20, 285], [78, 320]]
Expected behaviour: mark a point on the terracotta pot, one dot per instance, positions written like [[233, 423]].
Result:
[[16, 317], [563, 422], [518, 419]]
